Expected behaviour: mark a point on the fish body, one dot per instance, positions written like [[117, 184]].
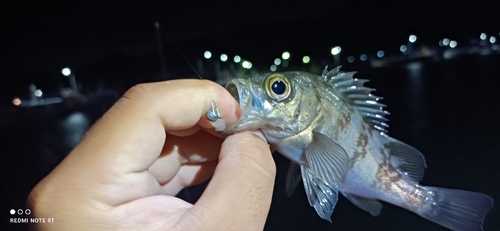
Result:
[[334, 132]]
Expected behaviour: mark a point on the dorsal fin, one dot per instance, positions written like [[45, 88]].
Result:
[[359, 96]]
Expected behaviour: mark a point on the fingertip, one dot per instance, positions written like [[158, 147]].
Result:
[[228, 107]]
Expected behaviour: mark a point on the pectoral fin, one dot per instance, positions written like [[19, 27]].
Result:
[[323, 197], [327, 159], [372, 206], [293, 178]]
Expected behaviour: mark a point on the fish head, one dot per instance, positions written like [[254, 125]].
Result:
[[282, 105]]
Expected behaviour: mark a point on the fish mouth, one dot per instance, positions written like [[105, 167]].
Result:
[[236, 88]]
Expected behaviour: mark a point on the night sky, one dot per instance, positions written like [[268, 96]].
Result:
[[38, 38]]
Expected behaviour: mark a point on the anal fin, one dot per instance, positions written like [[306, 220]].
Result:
[[369, 205]]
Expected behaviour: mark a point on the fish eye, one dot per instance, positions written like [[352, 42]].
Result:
[[277, 86]]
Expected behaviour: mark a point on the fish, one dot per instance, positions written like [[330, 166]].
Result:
[[334, 132]]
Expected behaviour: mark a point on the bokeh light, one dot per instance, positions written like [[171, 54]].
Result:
[[237, 59], [273, 68], [207, 54], [306, 59], [453, 44], [16, 101], [351, 59], [336, 50], [412, 38], [66, 71], [223, 57], [277, 61], [285, 55]]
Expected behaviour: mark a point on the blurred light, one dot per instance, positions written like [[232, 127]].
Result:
[[351, 59], [285, 55], [306, 59], [246, 64], [207, 54], [38, 93], [403, 48], [336, 50], [446, 42], [16, 101], [493, 39], [412, 38], [483, 36], [277, 61], [453, 43], [66, 71], [223, 57], [380, 54], [363, 57], [441, 43], [273, 67], [237, 59]]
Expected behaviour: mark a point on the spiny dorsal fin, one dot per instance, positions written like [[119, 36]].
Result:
[[360, 96]]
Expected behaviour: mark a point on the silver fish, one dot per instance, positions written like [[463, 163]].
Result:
[[334, 132]]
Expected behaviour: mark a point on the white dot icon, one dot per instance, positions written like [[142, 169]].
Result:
[[12, 211]]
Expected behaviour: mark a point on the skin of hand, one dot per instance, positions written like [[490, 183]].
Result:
[[152, 143]]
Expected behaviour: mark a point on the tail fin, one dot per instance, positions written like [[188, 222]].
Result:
[[456, 209]]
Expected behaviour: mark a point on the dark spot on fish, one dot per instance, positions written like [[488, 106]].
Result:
[[360, 151], [366, 125], [340, 126]]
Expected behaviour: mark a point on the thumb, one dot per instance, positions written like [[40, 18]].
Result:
[[239, 194]]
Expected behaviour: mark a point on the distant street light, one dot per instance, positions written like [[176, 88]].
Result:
[[223, 57], [246, 64], [403, 48], [493, 39], [72, 79], [412, 38], [285, 55], [16, 101], [483, 36], [336, 57], [363, 57], [351, 59], [38, 93], [237, 59], [446, 42], [336, 50], [207, 54], [306, 59], [380, 54], [453, 43], [66, 71], [277, 61], [273, 68]]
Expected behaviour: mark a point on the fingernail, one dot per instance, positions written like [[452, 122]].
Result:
[[260, 134]]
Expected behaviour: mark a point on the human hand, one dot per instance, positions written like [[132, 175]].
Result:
[[153, 142]]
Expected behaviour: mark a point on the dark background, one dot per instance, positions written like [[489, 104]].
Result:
[[448, 109]]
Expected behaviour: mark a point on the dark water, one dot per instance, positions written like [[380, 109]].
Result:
[[448, 110]]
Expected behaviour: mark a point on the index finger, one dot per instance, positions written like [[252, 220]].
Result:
[[131, 135], [139, 120]]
